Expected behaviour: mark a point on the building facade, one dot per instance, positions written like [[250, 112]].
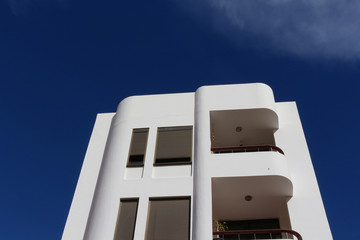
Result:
[[197, 166]]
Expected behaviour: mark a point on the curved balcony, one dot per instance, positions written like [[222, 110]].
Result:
[[258, 234], [255, 161], [260, 148]]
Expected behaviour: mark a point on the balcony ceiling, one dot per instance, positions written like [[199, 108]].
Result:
[[269, 197], [257, 127]]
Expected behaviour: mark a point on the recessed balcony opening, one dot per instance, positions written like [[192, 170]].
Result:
[[254, 224], [245, 130], [254, 207]]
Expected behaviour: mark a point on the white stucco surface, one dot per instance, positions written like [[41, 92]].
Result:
[[84, 193], [284, 186], [306, 209], [139, 112]]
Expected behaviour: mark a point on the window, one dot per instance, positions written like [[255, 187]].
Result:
[[138, 147], [174, 145], [125, 225], [169, 218]]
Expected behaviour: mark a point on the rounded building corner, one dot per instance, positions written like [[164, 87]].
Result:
[[126, 101]]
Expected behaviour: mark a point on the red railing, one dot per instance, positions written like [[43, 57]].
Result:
[[286, 232], [262, 148]]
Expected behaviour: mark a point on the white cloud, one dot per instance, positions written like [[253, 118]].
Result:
[[316, 28]]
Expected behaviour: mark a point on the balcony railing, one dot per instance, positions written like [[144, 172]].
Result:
[[262, 148], [258, 234]]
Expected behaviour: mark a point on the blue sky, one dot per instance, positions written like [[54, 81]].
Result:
[[64, 61]]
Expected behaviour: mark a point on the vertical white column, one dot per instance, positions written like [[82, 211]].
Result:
[[105, 205], [141, 218], [150, 152], [202, 216]]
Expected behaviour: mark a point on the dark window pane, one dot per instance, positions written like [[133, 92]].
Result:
[[174, 145], [138, 147], [125, 225], [169, 219]]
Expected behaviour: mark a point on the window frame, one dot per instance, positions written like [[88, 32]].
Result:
[[137, 130], [174, 128], [170, 198], [122, 200]]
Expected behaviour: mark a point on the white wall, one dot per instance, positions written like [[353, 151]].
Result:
[[139, 112], [114, 181], [211, 98], [306, 210], [84, 193]]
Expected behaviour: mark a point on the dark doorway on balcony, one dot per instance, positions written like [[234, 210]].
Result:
[[258, 224]]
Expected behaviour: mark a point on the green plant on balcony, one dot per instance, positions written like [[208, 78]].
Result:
[[219, 226]]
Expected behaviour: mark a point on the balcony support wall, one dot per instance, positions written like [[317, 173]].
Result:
[[207, 99]]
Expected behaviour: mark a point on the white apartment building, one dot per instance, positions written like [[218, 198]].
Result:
[[225, 162]]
